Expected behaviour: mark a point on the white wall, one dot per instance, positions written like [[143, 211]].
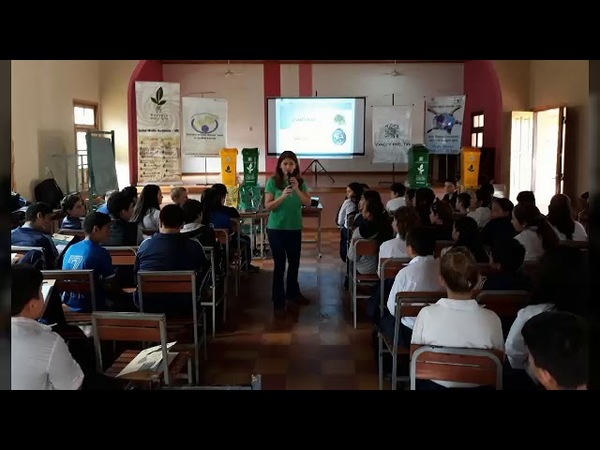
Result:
[[245, 100], [42, 94]]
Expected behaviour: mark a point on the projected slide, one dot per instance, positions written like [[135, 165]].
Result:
[[317, 126]]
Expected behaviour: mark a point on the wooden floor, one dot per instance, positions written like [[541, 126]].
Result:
[[316, 347]]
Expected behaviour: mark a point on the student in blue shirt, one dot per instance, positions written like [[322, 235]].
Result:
[[170, 250], [36, 232], [73, 207], [103, 208], [89, 254]]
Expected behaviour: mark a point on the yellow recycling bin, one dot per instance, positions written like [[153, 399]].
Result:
[[470, 158]]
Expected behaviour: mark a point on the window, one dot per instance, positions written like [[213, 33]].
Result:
[[477, 129], [85, 118]]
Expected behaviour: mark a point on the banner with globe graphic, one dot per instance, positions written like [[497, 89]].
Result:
[[158, 133], [392, 134], [443, 124], [204, 126]]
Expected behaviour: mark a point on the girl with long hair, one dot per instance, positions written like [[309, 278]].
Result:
[[147, 209], [285, 195]]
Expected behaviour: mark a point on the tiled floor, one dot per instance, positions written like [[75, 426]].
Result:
[[316, 347]]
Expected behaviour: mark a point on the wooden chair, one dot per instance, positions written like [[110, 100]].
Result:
[[214, 299], [466, 365], [362, 247], [440, 245], [408, 304], [75, 282], [177, 282], [122, 255], [137, 327], [506, 304]]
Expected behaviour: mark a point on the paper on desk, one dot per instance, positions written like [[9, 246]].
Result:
[[147, 360], [47, 286]]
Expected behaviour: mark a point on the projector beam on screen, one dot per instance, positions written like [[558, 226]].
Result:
[[317, 127]]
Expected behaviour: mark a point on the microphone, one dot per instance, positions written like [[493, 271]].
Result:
[[289, 176]]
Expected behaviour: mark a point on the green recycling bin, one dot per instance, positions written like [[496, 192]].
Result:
[[250, 162], [418, 167]]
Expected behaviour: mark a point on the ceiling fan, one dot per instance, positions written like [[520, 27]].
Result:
[[395, 72], [229, 72]]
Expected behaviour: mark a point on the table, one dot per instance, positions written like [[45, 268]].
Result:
[[307, 211]]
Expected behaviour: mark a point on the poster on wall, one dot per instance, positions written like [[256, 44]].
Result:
[[158, 132], [443, 124], [204, 126], [392, 131]]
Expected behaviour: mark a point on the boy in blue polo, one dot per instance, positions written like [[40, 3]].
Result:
[[36, 232], [89, 254], [74, 209]]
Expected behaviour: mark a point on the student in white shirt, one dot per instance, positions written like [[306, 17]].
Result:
[[534, 231], [558, 350], [40, 358], [560, 216], [463, 203], [421, 274], [559, 286], [397, 200], [405, 220], [458, 320], [482, 204], [147, 209]]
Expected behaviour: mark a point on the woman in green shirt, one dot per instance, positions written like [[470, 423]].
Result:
[[285, 194]]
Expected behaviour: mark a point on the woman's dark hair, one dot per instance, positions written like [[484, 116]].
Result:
[[505, 204], [192, 209], [119, 201], [529, 215], [562, 279], [526, 197], [464, 199], [411, 194], [148, 199], [560, 214], [357, 189], [468, 236], [444, 211], [280, 177], [398, 188], [424, 198], [69, 202], [459, 270], [211, 202], [484, 197], [220, 188], [379, 226], [131, 192], [407, 219]]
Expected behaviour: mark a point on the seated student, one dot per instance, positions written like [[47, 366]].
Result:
[[463, 203], [442, 219], [147, 209], [560, 216], [123, 232], [481, 206], [72, 205], [558, 287], [179, 195], [170, 250], [375, 225], [216, 214], [405, 220], [193, 227], [35, 232], [348, 207], [534, 231], [89, 254], [466, 234], [500, 225], [397, 200], [410, 197], [424, 198], [458, 320], [558, 350], [40, 358], [507, 259], [421, 274], [451, 193], [104, 207]]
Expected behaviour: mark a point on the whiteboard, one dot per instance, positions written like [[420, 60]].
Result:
[[103, 171]]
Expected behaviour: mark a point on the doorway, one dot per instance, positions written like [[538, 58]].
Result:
[[537, 154]]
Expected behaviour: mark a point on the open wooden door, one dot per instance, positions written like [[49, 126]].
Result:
[[538, 154]]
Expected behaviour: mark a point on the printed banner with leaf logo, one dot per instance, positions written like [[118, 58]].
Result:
[[392, 133], [229, 172], [443, 124], [159, 141], [204, 126]]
